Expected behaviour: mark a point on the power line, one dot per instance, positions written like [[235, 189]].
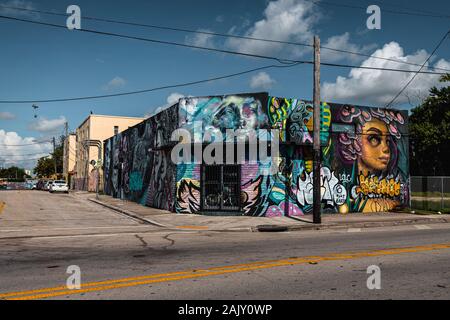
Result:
[[178, 85], [151, 89], [217, 34], [415, 10], [285, 62], [415, 74], [20, 160], [375, 68], [409, 13], [21, 155], [382, 58], [280, 60], [24, 145]]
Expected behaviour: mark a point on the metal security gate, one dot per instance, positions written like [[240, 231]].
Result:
[[221, 188]]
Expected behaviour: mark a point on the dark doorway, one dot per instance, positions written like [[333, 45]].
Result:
[[221, 188]]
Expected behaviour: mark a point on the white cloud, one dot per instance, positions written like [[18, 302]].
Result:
[[285, 20], [7, 116], [262, 80], [19, 13], [115, 83], [171, 100], [43, 124], [174, 97], [24, 156], [201, 39], [365, 86], [342, 42]]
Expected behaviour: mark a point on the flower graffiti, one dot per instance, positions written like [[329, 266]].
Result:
[[375, 186]]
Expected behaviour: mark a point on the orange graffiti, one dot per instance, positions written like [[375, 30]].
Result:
[[374, 185]]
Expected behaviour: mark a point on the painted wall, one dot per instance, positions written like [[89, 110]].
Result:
[[244, 112], [137, 164], [364, 152], [95, 127]]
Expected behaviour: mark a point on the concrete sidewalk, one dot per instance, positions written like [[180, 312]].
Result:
[[169, 220]]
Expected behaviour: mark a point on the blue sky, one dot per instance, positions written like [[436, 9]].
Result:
[[39, 62]]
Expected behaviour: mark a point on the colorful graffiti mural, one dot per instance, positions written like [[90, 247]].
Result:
[[364, 157], [243, 112], [364, 167], [373, 158], [188, 188], [136, 162]]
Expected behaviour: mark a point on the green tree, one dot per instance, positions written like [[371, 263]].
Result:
[[15, 174], [429, 128], [46, 165]]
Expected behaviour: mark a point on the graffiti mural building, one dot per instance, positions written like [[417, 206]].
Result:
[[364, 158]]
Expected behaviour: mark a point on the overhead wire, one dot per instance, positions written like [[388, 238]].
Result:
[[227, 35], [150, 89], [415, 74], [153, 26], [24, 145], [278, 59], [344, 5]]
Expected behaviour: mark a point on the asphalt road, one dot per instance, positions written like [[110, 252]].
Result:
[[122, 259]]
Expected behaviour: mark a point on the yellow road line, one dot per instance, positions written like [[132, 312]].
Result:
[[2, 206], [191, 274]]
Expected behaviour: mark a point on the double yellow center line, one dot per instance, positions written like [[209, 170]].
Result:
[[191, 274]]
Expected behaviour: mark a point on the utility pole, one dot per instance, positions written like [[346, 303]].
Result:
[[54, 150], [66, 128], [316, 137]]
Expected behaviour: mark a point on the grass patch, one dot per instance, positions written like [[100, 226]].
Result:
[[416, 211], [430, 205], [434, 194]]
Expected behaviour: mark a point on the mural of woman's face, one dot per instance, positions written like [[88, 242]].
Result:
[[375, 153]]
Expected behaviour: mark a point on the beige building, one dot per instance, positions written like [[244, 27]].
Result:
[[69, 154], [89, 146]]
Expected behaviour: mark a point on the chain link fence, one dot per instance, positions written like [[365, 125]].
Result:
[[430, 193]]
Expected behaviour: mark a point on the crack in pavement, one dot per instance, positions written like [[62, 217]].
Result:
[[172, 242], [144, 244]]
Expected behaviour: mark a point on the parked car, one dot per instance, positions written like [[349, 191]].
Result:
[[59, 186], [47, 185], [40, 184], [31, 184]]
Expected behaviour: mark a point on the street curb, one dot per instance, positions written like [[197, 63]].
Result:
[[130, 214], [373, 224], [148, 221], [362, 224]]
